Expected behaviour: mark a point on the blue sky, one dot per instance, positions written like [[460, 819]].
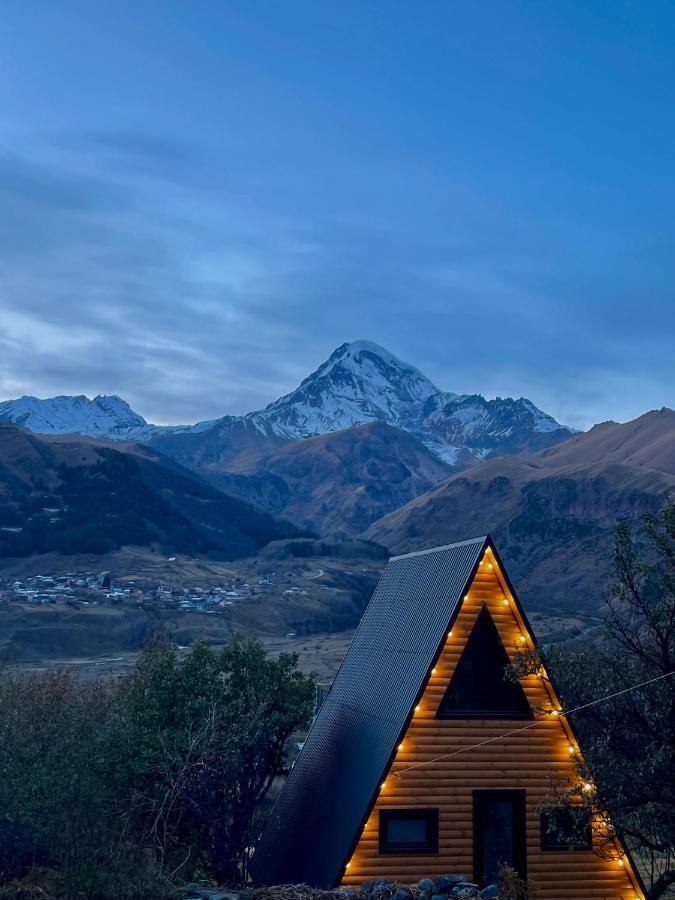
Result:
[[199, 201]]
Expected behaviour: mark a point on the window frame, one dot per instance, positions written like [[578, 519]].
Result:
[[546, 838], [430, 813], [484, 620]]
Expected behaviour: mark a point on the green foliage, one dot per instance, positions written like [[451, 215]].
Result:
[[512, 887], [629, 742], [126, 788]]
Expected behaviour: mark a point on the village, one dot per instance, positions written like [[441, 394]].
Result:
[[101, 588]]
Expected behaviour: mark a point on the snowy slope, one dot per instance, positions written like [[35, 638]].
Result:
[[62, 415], [362, 382], [359, 383]]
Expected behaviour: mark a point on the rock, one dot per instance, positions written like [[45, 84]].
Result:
[[443, 884], [439, 897], [373, 887], [464, 888], [489, 891], [425, 884], [402, 893]]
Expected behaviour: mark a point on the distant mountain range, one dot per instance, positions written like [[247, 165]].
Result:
[[366, 446], [552, 513], [74, 495], [359, 383]]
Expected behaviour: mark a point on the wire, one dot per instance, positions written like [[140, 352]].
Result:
[[499, 737]]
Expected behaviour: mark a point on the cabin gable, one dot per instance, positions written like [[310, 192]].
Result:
[[450, 806]]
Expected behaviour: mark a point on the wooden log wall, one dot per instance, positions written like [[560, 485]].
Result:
[[524, 760]]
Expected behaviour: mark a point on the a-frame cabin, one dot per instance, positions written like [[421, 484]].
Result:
[[398, 777]]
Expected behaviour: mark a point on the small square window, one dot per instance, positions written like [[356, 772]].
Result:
[[566, 829], [408, 831]]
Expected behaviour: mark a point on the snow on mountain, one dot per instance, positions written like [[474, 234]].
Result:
[[362, 382], [102, 416], [359, 383]]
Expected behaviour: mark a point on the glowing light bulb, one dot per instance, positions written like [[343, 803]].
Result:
[[433, 671], [620, 862], [555, 712], [383, 785], [400, 746], [490, 566], [466, 596], [588, 787], [570, 749], [417, 708], [505, 601], [522, 639], [348, 865], [450, 634]]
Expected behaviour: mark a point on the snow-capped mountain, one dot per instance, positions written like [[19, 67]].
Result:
[[101, 417], [359, 383], [362, 382], [106, 416]]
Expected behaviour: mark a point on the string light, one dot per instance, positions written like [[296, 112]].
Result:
[[383, 785], [417, 708], [588, 787], [400, 746], [505, 601], [466, 596], [620, 862], [348, 865], [555, 712], [570, 749], [522, 638], [433, 671], [450, 634], [490, 566]]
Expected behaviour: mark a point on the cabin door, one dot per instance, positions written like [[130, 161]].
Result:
[[498, 834]]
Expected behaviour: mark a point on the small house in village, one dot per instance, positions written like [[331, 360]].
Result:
[[425, 760]]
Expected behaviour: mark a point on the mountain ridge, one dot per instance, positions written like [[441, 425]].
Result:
[[360, 382]]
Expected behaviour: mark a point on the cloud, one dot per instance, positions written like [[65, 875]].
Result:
[[139, 266]]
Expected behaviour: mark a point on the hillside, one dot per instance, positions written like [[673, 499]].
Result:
[[74, 495], [551, 512], [335, 484]]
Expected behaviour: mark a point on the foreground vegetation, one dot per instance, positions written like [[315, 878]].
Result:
[[127, 788], [628, 742]]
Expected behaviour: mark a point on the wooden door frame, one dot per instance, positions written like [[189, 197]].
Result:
[[517, 797]]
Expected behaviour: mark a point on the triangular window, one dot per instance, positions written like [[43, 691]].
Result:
[[478, 688]]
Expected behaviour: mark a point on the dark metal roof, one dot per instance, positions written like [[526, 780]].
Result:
[[331, 788]]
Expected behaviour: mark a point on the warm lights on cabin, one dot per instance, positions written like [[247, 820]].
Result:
[[588, 787], [450, 634], [400, 746], [418, 707], [522, 638], [433, 671], [505, 601], [570, 749]]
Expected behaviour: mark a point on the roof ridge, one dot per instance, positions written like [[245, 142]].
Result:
[[476, 540]]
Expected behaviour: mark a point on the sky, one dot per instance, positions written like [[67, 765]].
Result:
[[200, 200]]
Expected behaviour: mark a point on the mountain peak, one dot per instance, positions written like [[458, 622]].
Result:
[[360, 382], [104, 415]]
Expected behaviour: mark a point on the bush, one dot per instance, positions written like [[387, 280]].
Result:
[[126, 788]]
